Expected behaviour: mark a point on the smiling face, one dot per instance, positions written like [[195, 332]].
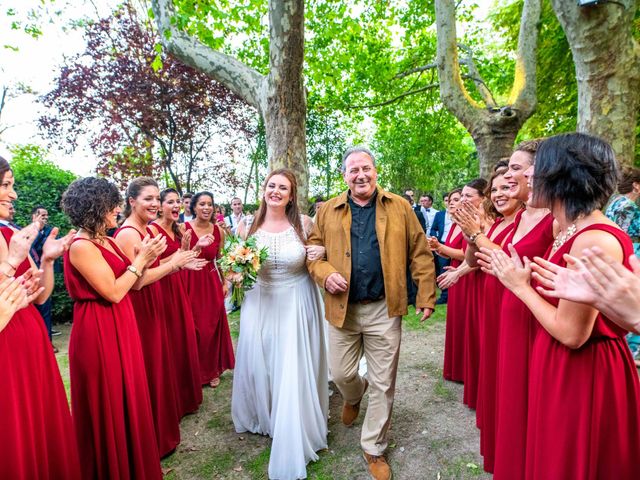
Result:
[[147, 204], [171, 206], [204, 208], [186, 202], [426, 202], [361, 175], [277, 192], [7, 195], [501, 196], [518, 165]]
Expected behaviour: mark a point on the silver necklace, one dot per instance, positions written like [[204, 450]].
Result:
[[561, 239]]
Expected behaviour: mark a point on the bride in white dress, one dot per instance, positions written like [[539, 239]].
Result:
[[280, 379]]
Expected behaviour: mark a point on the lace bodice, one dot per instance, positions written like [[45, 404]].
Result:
[[286, 261]]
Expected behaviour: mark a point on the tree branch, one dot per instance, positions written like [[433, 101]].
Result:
[[233, 74], [523, 94], [474, 75], [395, 99], [411, 71], [452, 90]]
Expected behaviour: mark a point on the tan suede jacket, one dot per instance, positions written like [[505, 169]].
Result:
[[402, 243]]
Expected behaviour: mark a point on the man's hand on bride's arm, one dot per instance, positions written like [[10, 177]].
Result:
[[315, 252]]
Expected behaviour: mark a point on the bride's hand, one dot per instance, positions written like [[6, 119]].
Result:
[[315, 252]]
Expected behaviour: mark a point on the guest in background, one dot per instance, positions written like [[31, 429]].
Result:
[[186, 215], [440, 229], [417, 211], [233, 220], [426, 207], [624, 210], [6, 218], [41, 215], [112, 412]]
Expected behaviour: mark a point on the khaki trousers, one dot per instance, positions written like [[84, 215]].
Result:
[[370, 331]]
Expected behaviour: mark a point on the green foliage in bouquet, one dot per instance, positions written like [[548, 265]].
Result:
[[240, 263]]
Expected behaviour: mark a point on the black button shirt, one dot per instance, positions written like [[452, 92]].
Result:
[[366, 281]]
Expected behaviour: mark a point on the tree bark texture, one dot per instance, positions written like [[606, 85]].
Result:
[[607, 60], [279, 96], [493, 128]]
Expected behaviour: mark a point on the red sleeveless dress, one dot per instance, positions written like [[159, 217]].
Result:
[[453, 368], [584, 404], [109, 394], [182, 332], [471, 284], [158, 361], [489, 320], [36, 433], [207, 302], [517, 332]]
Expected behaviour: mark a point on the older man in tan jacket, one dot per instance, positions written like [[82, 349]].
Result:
[[371, 237]]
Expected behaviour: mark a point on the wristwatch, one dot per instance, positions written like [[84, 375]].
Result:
[[134, 270], [473, 237]]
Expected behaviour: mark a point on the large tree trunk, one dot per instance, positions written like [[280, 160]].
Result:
[[279, 96], [285, 108], [493, 127], [607, 60]]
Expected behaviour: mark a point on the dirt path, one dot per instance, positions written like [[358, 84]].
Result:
[[433, 435]]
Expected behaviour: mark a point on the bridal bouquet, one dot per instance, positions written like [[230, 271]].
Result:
[[240, 263]]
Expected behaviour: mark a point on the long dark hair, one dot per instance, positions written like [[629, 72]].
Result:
[[4, 168], [291, 210], [133, 191], [194, 202], [174, 225]]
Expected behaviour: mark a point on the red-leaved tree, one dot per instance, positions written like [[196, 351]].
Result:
[[144, 112]]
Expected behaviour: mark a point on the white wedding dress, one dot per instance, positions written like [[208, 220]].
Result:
[[280, 378]]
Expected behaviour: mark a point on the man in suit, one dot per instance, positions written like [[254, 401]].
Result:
[[416, 210], [185, 216], [426, 207], [440, 229]]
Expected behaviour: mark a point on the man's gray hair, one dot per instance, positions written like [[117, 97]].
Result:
[[356, 149]]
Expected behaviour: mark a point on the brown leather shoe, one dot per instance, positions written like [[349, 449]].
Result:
[[379, 469], [350, 412]]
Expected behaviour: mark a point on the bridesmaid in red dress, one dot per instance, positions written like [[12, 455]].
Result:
[[473, 194], [453, 368], [584, 397], [532, 234], [205, 290], [109, 394], [36, 433], [141, 207], [489, 305], [182, 331]]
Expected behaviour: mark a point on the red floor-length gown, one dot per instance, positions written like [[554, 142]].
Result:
[[584, 403], [182, 332], [161, 376], [109, 394], [36, 433], [453, 368], [207, 301], [517, 332], [471, 283], [489, 302]]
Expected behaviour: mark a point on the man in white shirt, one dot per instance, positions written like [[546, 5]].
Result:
[[232, 221], [186, 216], [426, 207]]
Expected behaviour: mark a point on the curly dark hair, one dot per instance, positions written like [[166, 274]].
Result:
[[579, 171], [88, 201]]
